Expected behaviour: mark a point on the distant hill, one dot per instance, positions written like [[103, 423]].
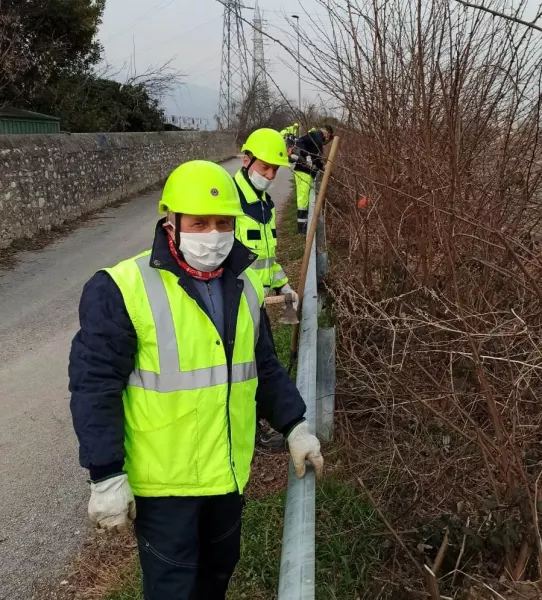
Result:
[[193, 101]]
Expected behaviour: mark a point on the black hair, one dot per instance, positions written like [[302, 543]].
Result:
[[253, 159], [178, 231], [328, 128]]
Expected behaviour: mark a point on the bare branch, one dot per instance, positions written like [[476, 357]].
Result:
[[496, 13]]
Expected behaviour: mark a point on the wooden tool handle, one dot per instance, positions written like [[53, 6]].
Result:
[[275, 300], [310, 238]]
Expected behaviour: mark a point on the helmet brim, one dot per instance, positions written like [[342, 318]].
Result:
[[163, 209]]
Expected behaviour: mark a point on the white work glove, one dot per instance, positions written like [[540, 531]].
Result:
[[305, 446], [112, 504], [287, 289]]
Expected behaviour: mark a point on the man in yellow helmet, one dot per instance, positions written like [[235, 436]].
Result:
[[309, 160], [290, 134], [264, 153], [292, 130], [163, 375]]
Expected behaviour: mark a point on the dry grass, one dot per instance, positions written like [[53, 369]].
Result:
[[105, 564]]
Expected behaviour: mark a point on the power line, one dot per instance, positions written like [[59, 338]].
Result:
[[199, 75], [157, 8], [202, 61], [285, 13], [177, 35], [182, 33]]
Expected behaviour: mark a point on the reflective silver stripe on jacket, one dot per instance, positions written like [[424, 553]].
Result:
[[263, 263], [182, 381], [253, 304], [279, 275], [171, 378], [168, 353]]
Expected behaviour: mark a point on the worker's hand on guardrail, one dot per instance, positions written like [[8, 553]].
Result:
[[305, 446], [112, 505]]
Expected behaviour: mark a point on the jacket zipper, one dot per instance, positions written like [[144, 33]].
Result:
[[230, 375], [211, 299], [229, 362]]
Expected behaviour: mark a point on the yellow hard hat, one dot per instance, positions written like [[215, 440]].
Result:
[[267, 145], [200, 187], [296, 124]]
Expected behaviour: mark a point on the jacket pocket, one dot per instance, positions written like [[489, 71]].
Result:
[[148, 548], [165, 457]]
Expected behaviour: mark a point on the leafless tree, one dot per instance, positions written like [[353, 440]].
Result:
[[435, 218], [157, 80], [513, 17]]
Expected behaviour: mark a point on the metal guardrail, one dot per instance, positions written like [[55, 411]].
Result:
[[316, 383]]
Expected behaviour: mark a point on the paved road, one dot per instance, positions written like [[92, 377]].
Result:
[[43, 494]]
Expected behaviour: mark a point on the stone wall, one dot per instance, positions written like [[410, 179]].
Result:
[[46, 180]]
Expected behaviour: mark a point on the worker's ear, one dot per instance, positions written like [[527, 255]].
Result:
[[246, 161], [169, 224]]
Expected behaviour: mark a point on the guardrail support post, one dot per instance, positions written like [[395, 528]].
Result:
[[325, 383]]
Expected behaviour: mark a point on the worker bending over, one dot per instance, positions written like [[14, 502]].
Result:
[[290, 134], [163, 375], [309, 160]]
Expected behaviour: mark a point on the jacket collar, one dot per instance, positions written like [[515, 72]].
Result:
[[239, 259]]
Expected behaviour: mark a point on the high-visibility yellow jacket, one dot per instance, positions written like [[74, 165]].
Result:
[[257, 230], [189, 421], [290, 130]]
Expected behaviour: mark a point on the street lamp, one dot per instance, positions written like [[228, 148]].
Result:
[[296, 17]]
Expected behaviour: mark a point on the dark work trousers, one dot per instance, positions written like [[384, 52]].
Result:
[[188, 547]]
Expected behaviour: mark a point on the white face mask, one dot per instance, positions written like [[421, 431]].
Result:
[[260, 182], [206, 251]]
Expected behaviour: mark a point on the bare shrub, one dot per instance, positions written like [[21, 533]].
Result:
[[436, 282]]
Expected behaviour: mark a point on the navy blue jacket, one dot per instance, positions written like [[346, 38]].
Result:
[[103, 351], [311, 145]]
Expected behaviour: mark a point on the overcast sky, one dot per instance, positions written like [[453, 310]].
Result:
[[190, 31]]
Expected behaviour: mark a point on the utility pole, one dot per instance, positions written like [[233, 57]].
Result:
[[296, 17]]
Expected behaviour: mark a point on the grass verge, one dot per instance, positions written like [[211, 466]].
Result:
[[346, 550], [346, 546]]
